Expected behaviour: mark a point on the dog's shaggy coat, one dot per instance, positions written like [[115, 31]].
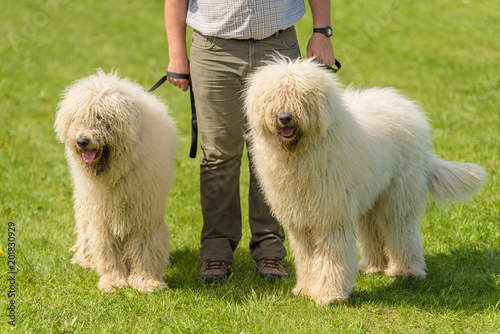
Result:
[[120, 146], [334, 163]]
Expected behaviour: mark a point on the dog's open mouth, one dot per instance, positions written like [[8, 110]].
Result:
[[287, 132], [96, 159], [89, 156], [290, 137]]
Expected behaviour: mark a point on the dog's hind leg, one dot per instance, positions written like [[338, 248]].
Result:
[[147, 255], [334, 263], [371, 242], [403, 206]]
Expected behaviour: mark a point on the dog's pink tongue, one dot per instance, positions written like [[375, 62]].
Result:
[[89, 155], [287, 132]]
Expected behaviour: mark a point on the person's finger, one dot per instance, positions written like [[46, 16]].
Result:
[[183, 84]]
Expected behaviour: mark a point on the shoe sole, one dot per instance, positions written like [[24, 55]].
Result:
[[209, 279], [272, 278]]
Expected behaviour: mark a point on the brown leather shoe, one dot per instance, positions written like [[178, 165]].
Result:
[[213, 270], [271, 268]]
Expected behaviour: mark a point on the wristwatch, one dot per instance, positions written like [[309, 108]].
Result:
[[327, 31]]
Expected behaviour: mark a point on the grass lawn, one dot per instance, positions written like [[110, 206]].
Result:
[[444, 54]]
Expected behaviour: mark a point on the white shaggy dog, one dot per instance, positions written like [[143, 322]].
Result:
[[120, 146], [334, 163]]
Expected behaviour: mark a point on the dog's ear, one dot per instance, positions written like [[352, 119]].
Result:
[[67, 109], [132, 119], [123, 116], [254, 118], [332, 102], [63, 120], [327, 116]]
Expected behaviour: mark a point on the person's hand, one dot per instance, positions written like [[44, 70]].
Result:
[[320, 46], [180, 66]]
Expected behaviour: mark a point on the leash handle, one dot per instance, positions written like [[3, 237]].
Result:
[[177, 75], [166, 76], [338, 66]]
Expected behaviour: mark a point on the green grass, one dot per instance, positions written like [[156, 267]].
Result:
[[443, 54]]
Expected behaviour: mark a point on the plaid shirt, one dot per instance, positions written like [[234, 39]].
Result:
[[243, 19]]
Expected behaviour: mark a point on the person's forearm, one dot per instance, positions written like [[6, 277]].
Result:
[[320, 10], [175, 26]]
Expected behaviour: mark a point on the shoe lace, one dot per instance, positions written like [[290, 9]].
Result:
[[215, 264], [271, 262]]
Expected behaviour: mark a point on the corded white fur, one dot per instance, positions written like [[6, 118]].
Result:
[[360, 163], [119, 198]]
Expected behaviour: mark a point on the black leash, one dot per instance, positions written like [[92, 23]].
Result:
[[338, 65], [194, 122], [332, 69]]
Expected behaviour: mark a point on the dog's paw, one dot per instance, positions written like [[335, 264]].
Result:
[[302, 290], [325, 296], [109, 285], [146, 284], [367, 268], [406, 272], [325, 300], [150, 285], [83, 262]]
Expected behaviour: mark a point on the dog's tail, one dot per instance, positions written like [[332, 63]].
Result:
[[454, 181]]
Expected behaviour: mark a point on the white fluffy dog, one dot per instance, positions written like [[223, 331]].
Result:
[[334, 163], [120, 146]]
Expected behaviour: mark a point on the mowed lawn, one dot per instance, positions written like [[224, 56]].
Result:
[[443, 54]]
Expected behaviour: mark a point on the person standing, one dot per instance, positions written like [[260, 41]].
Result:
[[231, 38]]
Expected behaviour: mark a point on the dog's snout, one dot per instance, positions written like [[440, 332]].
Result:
[[83, 142], [285, 118]]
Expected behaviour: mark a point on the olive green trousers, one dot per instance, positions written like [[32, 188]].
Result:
[[218, 70]]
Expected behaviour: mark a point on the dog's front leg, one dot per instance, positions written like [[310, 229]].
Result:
[[334, 263], [302, 246], [83, 253], [107, 257], [147, 252]]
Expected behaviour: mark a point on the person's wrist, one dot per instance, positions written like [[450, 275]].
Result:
[[326, 31]]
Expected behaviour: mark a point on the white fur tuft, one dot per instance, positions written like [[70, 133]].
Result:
[[454, 181]]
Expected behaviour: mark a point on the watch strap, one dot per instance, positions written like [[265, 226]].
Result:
[[327, 31]]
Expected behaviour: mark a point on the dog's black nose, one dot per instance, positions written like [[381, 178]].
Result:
[[83, 142], [285, 118]]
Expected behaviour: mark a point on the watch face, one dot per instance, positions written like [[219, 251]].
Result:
[[329, 31]]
